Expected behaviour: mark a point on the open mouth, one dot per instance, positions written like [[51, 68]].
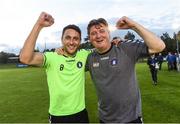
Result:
[[71, 47], [99, 41]]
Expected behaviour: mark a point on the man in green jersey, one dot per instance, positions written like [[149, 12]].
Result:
[[65, 73]]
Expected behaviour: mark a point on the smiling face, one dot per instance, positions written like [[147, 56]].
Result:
[[100, 37], [71, 41]]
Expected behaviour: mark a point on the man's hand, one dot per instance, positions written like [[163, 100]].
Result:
[[27, 54], [45, 20], [154, 43], [116, 41], [59, 51], [125, 23]]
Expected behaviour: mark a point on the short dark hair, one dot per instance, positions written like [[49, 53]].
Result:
[[96, 22], [71, 26]]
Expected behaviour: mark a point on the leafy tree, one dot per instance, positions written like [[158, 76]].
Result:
[[4, 56], [170, 43], [86, 45], [46, 50], [52, 50]]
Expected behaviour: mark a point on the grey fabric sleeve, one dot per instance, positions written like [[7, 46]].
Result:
[[137, 49]]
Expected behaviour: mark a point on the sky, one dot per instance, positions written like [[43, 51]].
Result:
[[17, 17]]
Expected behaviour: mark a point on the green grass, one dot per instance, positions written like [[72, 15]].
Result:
[[24, 95], [161, 103]]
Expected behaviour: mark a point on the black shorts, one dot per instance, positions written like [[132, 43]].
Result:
[[80, 117]]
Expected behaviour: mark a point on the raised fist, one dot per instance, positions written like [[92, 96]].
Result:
[[125, 23], [45, 20]]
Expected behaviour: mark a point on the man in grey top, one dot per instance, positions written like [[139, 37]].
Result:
[[113, 69]]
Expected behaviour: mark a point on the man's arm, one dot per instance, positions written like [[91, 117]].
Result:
[[154, 43], [27, 54]]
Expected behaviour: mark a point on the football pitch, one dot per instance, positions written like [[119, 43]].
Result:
[[24, 96]]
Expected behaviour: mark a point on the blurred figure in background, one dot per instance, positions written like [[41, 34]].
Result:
[[170, 62], [153, 66], [160, 60]]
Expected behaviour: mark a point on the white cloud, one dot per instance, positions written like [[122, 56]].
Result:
[[18, 16], [112, 28]]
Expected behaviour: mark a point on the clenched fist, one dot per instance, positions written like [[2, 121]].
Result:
[[125, 23], [45, 20]]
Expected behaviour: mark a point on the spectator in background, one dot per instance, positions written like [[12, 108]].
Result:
[[153, 66], [175, 61], [170, 61], [160, 60]]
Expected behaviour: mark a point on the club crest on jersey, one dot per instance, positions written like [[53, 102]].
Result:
[[114, 62], [79, 64], [96, 64]]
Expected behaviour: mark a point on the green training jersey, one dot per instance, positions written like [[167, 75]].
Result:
[[66, 80]]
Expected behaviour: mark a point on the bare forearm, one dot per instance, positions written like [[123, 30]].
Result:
[[154, 43], [27, 52]]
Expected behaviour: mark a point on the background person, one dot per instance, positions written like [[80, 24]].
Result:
[[160, 60], [170, 61], [153, 66]]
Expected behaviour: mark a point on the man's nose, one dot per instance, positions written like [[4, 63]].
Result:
[[71, 41], [98, 35]]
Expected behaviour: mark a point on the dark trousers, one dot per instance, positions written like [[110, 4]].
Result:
[[160, 65], [138, 120], [170, 66], [154, 74], [80, 117]]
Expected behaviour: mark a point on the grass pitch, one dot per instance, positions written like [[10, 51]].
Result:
[[24, 95]]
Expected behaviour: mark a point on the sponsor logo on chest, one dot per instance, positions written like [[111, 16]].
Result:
[[96, 64], [105, 58], [111, 62]]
